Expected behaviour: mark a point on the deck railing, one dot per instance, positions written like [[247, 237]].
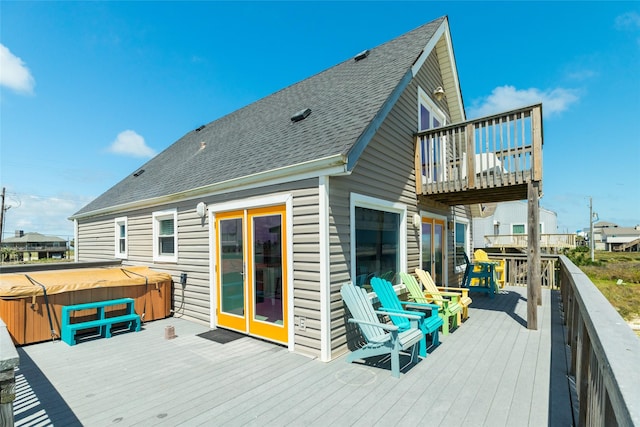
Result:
[[552, 241], [516, 269], [605, 353], [496, 151]]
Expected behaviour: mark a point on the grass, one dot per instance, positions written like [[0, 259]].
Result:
[[607, 270]]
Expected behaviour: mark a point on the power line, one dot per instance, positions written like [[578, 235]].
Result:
[[38, 196]]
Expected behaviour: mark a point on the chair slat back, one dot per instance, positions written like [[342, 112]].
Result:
[[427, 280], [429, 285], [414, 288], [360, 306], [388, 299]]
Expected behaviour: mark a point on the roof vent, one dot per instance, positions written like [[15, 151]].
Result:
[[301, 115], [200, 128], [203, 145], [362, 55], [140, 172]]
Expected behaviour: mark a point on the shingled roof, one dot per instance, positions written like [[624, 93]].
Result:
[[346, 101]]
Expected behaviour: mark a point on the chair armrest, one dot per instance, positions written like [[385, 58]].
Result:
[[386, 326], [463, 291], [420, 305], [400, 313]]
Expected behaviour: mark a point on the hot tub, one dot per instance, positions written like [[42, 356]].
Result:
[[23, 303]]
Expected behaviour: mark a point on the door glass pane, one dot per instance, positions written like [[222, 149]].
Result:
[[267, 267], [438, 246], [231, 266], [426, 246], [377, 245]]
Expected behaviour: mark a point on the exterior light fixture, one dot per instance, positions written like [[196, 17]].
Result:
[[201, 209], [438, 93], [417, 220]]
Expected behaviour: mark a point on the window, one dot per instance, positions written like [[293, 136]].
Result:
[[379, 242], [518, 229], [433, 147], [121, 237], [462, 240], [165, 236], [522, 228]]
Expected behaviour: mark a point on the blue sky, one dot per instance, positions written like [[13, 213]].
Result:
[[90, 90]]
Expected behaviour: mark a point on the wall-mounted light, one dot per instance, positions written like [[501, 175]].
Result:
[[417, 220], [201, 209], [438, 93]]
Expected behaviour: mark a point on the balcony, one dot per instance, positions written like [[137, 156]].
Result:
[[491, 159]]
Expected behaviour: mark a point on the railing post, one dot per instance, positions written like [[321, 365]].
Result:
[[471, 155], [8, 362], [418, 166], [536, 130]]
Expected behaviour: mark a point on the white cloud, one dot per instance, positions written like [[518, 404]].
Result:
[[628, 21], [505, 98], [14, 73], [42, 214], [129, 143]]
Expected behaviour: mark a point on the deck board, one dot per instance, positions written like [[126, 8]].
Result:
[[491, 371]]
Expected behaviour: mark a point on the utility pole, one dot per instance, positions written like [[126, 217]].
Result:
[[592, 242]]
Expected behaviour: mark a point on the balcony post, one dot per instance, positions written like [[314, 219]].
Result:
[[534, 291]]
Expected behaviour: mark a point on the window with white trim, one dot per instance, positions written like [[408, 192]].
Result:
[[432, 148], [165, 236], [378, 230], [463, 244], [121, 234]]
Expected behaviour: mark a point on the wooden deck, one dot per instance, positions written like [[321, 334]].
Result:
[[492, 371]]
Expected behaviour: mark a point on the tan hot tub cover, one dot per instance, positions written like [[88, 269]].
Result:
[[30, 317], [18, 285]]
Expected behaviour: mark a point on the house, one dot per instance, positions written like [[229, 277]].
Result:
[[611, 237], [34, 246], [503, 226], [360, 170]]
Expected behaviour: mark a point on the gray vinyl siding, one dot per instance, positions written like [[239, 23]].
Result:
[[96, 240], [306, 270], [384, 171]]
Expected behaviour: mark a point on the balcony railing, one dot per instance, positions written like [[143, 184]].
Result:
[[520, 241], [457, 164]]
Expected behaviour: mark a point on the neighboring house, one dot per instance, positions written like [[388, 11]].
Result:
[[505, 226], [270, 209], [598, 237], [34, 246], [611, 237]]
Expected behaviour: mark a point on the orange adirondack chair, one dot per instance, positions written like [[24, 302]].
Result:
[[429, 285]]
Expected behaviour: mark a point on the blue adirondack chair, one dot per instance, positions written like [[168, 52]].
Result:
[[380, 338], [485, 274], [429, 323]]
